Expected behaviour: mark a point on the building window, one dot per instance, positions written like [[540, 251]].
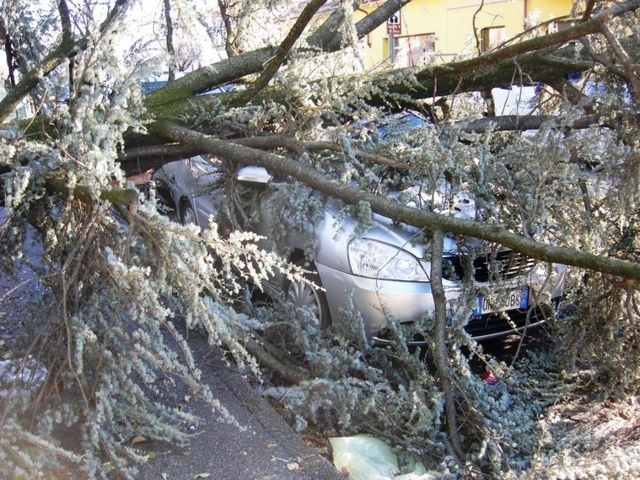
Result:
[[414, 50], [492, 37], [562, 25]]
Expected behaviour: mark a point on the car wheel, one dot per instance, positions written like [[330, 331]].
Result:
[[302, 294], [188, 216]]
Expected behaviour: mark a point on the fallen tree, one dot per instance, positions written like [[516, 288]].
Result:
[[118, 272]]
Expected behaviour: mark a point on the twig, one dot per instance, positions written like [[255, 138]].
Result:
[[475, 30], [597, 58], [622, 56]]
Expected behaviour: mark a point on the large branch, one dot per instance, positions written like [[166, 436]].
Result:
[[391, 209], [298, 146], [157, 155], [398, 90], [272, 142], [139, 159], [395, 90]]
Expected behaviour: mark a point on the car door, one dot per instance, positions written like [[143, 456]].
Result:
[[205, 189]]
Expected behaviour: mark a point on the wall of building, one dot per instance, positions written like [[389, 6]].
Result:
[[451, 23]]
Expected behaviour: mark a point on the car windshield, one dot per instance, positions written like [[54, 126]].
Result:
[[400, 123]]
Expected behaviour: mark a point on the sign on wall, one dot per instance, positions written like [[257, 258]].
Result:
[[394, 24]]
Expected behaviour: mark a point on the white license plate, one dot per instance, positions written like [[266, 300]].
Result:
[[502, 301]]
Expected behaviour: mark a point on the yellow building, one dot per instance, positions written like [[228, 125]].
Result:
[[438, 30]]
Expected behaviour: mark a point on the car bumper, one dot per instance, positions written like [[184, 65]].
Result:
[[377, 300]]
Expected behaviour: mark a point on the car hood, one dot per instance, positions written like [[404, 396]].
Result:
[[401, 235]]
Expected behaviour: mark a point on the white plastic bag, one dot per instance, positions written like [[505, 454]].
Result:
[[368, 458], [364, 457]]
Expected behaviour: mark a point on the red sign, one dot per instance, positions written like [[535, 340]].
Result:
[[394, 24]]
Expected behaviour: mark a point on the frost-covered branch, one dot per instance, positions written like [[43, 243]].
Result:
[[401, 213], [67, 48], [274, 63]]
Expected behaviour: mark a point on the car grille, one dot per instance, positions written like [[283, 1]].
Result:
[[496, 325], [493, 325], [499, 266]]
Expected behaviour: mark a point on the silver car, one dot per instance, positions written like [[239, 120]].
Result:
[[383, 271]]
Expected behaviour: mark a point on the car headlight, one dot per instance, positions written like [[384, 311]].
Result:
[[372, 259]]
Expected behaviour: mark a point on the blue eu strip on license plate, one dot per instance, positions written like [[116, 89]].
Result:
[[502, 301]]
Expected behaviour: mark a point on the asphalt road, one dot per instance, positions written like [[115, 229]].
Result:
[[268, 449]]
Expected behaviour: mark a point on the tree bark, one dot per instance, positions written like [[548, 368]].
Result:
[[441, 356], [170, 50]]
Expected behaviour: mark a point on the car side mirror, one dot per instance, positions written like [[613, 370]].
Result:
[[253, 175]]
